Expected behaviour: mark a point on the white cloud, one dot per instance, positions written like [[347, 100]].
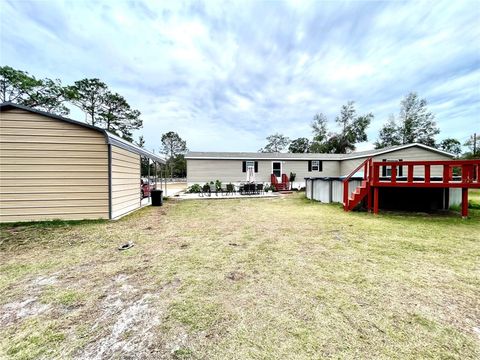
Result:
[[226, 75]]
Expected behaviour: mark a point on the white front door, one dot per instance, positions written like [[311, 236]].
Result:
[[277, 170]]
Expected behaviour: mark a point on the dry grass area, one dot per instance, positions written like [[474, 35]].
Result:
[[277, 278]]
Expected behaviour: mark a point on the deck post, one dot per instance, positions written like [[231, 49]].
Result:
[[375, 200], [410, 174], [369, 198], [427, 174], [464, 202], [345, 195], [376, 173], [393, 176], [446, 174]]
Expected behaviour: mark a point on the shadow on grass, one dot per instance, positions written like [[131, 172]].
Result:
[[56, 223], [451, 215], [50, 223]]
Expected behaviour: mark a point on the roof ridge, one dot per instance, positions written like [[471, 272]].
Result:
[[279, 155], [110, 137]]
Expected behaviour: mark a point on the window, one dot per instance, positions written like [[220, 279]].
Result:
[[277, 169], [315, 165], [387, 170], [249, 165]]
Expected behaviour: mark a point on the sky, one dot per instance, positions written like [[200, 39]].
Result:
[[226, 74]]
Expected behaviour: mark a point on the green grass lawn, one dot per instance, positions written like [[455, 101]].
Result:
[[474, 197], [243, 279]]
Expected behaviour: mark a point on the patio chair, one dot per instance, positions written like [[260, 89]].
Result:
[[206, 190], [213, 189], [259, 188], [241, 189], [230, 189]]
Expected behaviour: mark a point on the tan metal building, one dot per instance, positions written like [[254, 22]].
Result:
[[53, 167]]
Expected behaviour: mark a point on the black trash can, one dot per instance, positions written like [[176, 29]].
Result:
[[157, 197]]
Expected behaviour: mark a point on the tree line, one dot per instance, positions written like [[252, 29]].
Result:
[[174, 148], [103, 107], [414, 124], [109, 110]]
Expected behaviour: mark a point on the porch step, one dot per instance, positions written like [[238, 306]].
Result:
[[357, 196]]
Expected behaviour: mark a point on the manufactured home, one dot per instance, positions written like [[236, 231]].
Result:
[[233, 167], [411, 176], [52, 167]]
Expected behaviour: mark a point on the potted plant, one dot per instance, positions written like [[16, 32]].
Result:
[[292, 179], [218, 185]]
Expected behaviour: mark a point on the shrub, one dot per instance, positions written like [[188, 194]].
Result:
[[473, 205], [270, 188], [195, 188], [218, 185]]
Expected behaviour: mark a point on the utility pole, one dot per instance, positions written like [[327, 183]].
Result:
[[474, 144]]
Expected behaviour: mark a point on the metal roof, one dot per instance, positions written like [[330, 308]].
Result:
[[304, 156], [261, 156], [110, 138]]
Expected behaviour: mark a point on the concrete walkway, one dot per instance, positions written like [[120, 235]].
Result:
[[185, 196]]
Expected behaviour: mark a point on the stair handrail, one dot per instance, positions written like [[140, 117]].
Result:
[[273, 179], [367, 165]]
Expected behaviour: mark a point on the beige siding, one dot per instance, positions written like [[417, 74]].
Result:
[[411, 153], [51, 169], [300, 168], [230, 170], [125, 181], [202, 171]]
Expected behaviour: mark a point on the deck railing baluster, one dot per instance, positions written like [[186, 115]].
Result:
[[393, 177], [427, 173]]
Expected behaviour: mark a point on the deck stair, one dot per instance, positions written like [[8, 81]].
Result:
[[357, 195], [350, 201], [280, 186]]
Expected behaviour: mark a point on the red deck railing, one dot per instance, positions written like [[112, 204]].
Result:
[[468, 171], [462, 174], [273, 179]]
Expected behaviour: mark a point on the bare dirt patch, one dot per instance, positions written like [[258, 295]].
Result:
[[126, 321], [14, 312], [235, 275]]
